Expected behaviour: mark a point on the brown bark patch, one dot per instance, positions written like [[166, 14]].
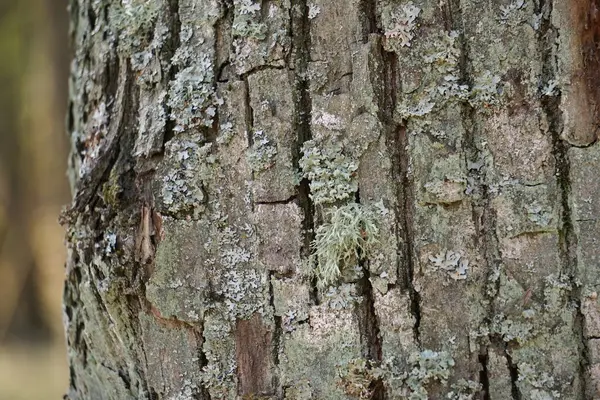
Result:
[[585, 79], [254, 350]]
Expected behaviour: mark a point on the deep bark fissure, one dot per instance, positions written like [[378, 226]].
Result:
[[172, 46], [407, 220], [483, 215], [551, 105], [89, 186], [286, 201], [368, 11], [484, 378], [513, 370], [202, 360], [398, 144], [368, 322], [277, 333], [300, 32]]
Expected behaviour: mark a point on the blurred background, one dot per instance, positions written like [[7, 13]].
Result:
[[34, 63]]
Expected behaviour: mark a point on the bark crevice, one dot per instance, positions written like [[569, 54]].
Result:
[[300, 31], [551, 105]]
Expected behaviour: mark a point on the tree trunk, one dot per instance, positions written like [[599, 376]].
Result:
[[372, 199]]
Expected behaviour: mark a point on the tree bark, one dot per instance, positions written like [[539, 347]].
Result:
[[370, 199]]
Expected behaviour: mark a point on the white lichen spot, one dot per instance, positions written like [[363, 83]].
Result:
[[399, 22], [174, 284], [507, 13], [538, 215], [330, 172], [191, 95], [262, 155], [485, 91], [182, 189], [451, 262], [342, 297], [313, 10], [111, 242], [551, 89], [327, 120]]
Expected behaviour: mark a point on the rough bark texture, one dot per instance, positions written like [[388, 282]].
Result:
[[334, 199]]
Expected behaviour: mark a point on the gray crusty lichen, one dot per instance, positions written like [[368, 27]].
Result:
[[331, 173]]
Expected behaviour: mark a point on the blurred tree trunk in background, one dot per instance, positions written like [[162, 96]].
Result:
[[372, 199], [33, 82], [33, 187]]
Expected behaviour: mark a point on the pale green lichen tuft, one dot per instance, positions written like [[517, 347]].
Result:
[[261, 156], [330, 172], [347, 237]]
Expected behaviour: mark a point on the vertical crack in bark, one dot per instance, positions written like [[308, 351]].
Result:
[[484, 378], [397, 144], [300, 31], [198, 333], [368, 323], [483, 214], [249, 113], [277, 336], [172, 46], [368, 16], [514, 374], [406, 190], [547, 39]]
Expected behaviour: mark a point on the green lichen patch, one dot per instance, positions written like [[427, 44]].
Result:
[[192, 96], [485, 91], [399, 23], [133, 21], [182, 190], [245, 23], [348, 236], [331, 173], [412, 378], [219, 349], [453, 263], [260, 33], [427, 366], [261, 156]]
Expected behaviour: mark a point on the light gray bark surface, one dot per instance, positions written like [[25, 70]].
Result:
[[371, 199]]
